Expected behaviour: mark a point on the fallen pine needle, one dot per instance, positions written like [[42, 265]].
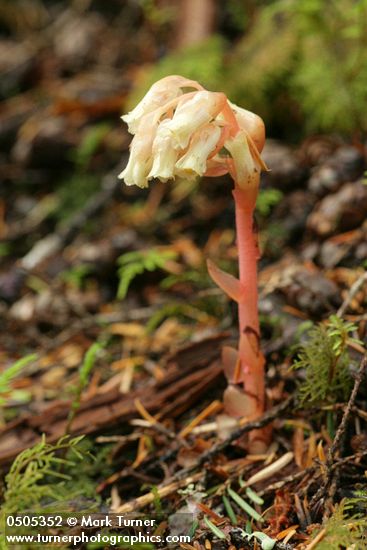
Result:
[[283, 534], [316, 540], [143, 412], [290, 535], [271, 469], [311, 450], [161, 492], [231, 423], [205, 428], [320, 452], [213, 408], [142, 452], [127, 379], [209, 512]]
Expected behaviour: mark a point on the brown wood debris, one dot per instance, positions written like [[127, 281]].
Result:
[[190, 374]]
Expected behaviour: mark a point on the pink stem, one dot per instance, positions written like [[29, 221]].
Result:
[[248, 309]]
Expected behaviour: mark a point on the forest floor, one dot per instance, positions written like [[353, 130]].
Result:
[[106, 302]]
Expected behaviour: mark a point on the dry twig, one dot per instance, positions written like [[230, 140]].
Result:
[[356, 286], [183, 477], [340, 432], [264, 420], [162, 491]]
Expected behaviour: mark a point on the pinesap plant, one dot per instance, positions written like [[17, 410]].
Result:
[[182, 130]]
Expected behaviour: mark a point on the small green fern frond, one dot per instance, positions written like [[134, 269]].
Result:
[[181, 310], [8, 375], [135, 263], [35, 484], [326, 362], [85, 369], [32, 478], [197, 277], [341, 332], [346, 527]]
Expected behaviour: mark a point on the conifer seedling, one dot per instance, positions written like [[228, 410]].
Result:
[[182, 130]]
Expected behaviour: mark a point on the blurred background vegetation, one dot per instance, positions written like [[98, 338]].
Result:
[[70, 69], [300, 64]]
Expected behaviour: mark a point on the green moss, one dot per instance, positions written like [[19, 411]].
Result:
[[346, 527], [325, 360]]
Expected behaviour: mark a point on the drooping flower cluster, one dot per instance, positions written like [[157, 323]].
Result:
[[182, 130], [185, 134]]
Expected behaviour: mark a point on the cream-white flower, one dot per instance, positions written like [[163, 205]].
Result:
[[180, 134], [137, 168], [161, 92], [140, 160], [164, 154], [244, 164], [194, 161], [193, 113], [250, 122]]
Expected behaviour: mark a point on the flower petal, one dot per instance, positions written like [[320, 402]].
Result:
[[161, 92], [164, 154], [203, 142], [140, 160], [245, 168], [217, 166], [193, 113], [252, 123]]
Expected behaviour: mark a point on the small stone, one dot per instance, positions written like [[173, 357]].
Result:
[[285, 168], [341, 211], [345, 165]]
